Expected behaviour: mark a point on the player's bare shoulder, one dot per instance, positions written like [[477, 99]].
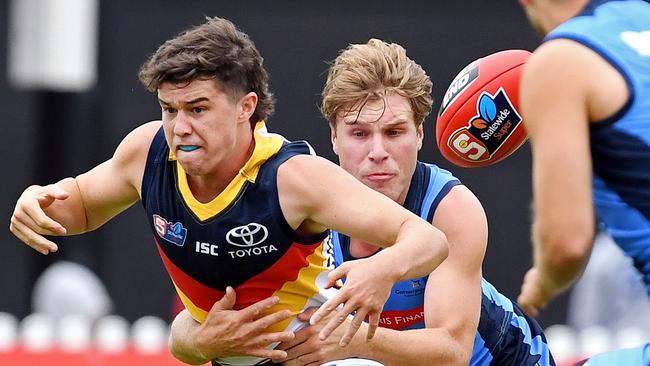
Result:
[[555, 61], [303, 174], [461, 217], [304, 182], [298, 163], [604, 95], [139, 138], [130, 156], [460, 209]]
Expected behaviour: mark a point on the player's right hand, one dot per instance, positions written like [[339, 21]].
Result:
[[533, 296], [308, 349], [29, 221], [366, 289], [227, 332]]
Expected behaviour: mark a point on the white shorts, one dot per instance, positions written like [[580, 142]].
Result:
[[353, 362]]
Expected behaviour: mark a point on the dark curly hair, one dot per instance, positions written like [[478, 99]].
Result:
[[215, 49]]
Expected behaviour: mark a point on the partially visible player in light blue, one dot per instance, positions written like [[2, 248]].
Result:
[[629, 357], [375, 101], [609, 273], [585, 99], [585, 96]]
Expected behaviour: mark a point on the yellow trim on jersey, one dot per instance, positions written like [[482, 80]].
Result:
[[295, 294], [266, 145], [197, 313]]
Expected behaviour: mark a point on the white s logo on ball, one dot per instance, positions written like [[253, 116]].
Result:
[[463, 144]]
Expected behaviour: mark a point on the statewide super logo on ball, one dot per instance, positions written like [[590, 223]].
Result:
[[488, 130], [479, 123]]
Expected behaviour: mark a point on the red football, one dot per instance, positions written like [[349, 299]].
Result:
[[479, 122]]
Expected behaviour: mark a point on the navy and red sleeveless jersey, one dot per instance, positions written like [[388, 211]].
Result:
[[239, 239]]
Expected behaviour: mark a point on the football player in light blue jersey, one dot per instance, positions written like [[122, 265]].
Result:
[[585, 99], [375, 101], [627, 357]]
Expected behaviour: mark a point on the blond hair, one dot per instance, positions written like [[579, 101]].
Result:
[[372, 71]]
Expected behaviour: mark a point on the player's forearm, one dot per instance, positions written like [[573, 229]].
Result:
[[419, 249], [558, 275], [429, 346], [181, 343], [564, 223], [70, 212], [560, 256]]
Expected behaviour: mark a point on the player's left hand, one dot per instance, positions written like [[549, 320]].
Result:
[[366, 289], [534, 296], [308, 349]]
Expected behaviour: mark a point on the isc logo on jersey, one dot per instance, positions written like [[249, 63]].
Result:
[[206, 248], [486, 132]]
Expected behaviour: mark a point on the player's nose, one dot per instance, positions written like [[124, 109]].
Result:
[[182, 124], [378, 149]]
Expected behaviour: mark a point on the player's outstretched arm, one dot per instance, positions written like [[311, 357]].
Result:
[[316, 194], [227, 332], [76, 205], [556, 118]]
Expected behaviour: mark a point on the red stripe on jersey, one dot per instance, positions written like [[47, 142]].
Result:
[[201, 295], [266, 283]]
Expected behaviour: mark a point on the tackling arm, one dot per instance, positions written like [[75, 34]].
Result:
[[332, 198], [452, 302]]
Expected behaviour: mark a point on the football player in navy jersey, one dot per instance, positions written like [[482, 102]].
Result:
[[585, 99], [239, 215]]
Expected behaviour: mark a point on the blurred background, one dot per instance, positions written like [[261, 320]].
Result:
[[58, 126]]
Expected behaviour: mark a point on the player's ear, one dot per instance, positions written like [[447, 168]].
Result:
[[247, 105], [333, 139], [420, 134]]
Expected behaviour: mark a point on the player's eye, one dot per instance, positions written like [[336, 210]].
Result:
[[197, 110]]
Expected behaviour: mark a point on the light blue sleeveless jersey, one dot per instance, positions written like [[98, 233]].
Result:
[[505, 335], [639, 356], [619, 31]]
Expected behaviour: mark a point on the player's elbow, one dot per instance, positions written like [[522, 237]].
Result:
[[458, 350], [458, 356], [462, 356], [566, 259], [181, 354], [181, 344], [569, 250], [442, 244], [463, 347]]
